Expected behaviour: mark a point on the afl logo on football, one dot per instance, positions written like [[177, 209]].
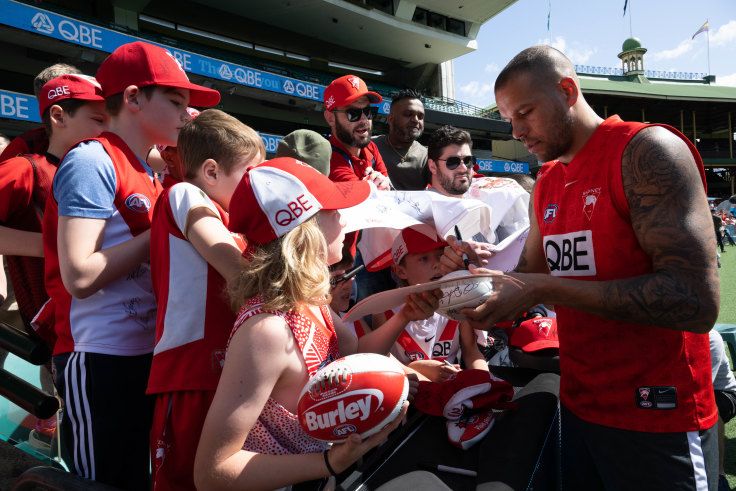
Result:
[[138, 202], [344, 430]]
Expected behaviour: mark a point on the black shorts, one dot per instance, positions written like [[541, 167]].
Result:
[[107, 416], [726, 402], [599, 457]]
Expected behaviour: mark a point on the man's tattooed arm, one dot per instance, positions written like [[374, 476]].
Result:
[[670, 217]]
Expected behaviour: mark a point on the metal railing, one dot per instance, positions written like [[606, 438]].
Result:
[[448, 105], [669, 75]]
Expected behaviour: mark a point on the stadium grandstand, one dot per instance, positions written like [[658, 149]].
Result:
[[270, 59]]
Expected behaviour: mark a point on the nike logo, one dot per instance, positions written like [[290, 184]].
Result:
[[571, 182], [429, 339]]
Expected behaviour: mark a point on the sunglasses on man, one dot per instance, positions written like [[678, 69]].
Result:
[[355, 113], [454, 162]]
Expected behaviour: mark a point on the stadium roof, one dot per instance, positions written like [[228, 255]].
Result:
[[640, 86]]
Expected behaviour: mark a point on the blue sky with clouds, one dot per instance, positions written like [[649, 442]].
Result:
[[591, 32]]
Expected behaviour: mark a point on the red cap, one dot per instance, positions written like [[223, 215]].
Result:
[[81, 87], [143, 64], [536, 334], [347, 89], [277, 195], [415, 240]]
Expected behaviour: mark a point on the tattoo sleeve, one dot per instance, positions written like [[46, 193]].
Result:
[[670, 217]]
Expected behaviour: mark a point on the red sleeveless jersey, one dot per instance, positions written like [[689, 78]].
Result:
[[194, 318], [616, 374]]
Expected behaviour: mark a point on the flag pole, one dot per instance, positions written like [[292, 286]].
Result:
[[549, 22], [631, 31], [707, 33]]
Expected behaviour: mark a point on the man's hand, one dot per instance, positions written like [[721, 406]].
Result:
[[478, 253], [511, 297], [382, 182]]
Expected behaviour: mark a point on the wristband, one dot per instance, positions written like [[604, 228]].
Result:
[[327, 463]]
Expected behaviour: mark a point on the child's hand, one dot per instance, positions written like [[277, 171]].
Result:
[[434, 370], [342, 455], [420, 306]]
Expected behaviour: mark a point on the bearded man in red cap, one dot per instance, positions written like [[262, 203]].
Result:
[[350, 115]]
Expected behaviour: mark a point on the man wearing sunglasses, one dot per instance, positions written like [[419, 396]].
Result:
[[349, 113], [450, 161]]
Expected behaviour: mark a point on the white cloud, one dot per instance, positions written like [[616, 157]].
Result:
[[578, 56], [725, 35], [727, 80], [670, 54], [477, 93], [492, 68]]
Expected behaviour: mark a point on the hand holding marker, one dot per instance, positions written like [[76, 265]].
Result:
[[466, 261]]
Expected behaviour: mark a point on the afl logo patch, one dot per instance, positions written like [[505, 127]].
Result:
[[138, 202], [550, 213]]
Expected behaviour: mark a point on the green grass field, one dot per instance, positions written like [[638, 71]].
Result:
[[727, 315]]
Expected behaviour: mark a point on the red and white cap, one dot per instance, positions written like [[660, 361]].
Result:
[[143, 64], [346, 90], [415, 240], [278, 195], [81, 87], [536, 334]]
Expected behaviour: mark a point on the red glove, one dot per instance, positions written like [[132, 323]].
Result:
[[473, 389]]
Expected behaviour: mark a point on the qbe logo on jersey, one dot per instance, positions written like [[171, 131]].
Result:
[[570, 254]]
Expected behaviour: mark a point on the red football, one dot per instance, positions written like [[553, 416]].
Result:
[[359, 393]]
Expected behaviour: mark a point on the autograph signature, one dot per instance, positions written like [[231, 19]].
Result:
[[448, 294]]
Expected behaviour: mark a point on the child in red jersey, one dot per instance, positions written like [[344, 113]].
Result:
[[72, 108], [192, 255], [97, 245]]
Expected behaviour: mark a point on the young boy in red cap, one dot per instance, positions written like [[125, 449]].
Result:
[[428, 346], [96, 242], [192, 255], [72, 108], [36, 140]]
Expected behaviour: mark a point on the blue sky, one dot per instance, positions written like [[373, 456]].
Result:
[[591, 32]]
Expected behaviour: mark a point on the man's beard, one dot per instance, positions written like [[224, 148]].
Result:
[[407, 136], [346, 136], [447, 183], [559, 140]]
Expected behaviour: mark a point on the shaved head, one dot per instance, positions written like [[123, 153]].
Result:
[[544, 63], [538, 92]]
